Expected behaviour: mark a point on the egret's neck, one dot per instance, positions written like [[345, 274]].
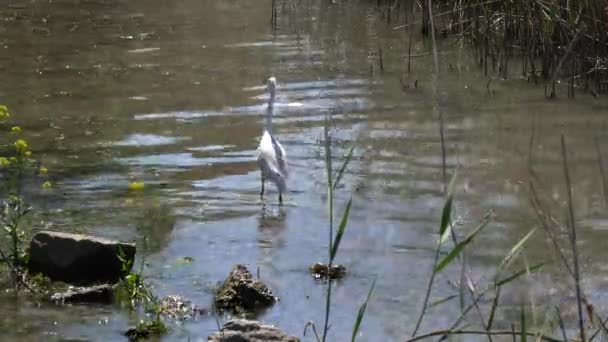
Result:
[[269, 112], [271, 99]]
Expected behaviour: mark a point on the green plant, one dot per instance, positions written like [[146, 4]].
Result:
[[16, 162], [134, 290], [13, 212], [146, 329], [333, 244], [361, 312]]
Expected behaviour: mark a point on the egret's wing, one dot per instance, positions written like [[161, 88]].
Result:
[[272, 153], [266, 149], [281, 156]]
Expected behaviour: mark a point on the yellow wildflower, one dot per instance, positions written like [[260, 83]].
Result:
[[135, 186], [43, 170], [4, 161], [47, 185], [4, 112], [16, 129], [20, 146]]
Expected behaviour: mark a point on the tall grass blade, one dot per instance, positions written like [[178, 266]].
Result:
[[495, 302], [442, 301], [340, 232], [515, 250], [347, 159], [362, 312], [330, 204], [519, 273], [328, 166], [327, 309], [460, 246], [560, 321], [600, 161], [444, 231], [523, 336], [603, 327], [577, 275], [311, 324], [504, 263]]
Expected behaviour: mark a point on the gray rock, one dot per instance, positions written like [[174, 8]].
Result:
[[241, 330], [94, 294], [78, 259]]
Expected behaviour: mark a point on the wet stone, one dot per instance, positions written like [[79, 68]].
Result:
[[250, 331], [94, 294], [242, 294], [322, 271], [78, 259]]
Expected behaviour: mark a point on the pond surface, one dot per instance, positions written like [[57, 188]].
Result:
[[171, 93]]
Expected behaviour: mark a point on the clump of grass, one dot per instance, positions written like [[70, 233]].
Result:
[[146, 329], [500, 279], [132, 289], [586, 314], [135, 292], [548, 40]]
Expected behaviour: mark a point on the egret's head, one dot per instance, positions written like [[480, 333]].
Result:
[[271, 86]]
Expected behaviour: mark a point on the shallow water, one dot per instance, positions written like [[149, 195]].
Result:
[[171, 94]]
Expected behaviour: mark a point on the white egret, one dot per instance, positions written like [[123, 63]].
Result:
[[271, 155]]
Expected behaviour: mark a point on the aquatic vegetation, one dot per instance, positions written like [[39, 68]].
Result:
[[185, 260], [540, 40], [322, 271], [330, 271], [134, 291], [16, 163], [146, 329], [136, 186]]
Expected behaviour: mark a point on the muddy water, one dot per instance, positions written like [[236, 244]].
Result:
[[170, 93]]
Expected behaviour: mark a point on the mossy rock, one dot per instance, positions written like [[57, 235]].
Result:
[[241, 294], [323, 271], [146, 330]]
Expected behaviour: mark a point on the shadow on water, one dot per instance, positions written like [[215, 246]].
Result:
[[169, 93]]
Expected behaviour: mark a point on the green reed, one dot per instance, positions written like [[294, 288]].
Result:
[[546, 40], [333, 242]]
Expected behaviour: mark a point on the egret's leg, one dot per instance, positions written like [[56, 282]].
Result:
[[262, 191], [280, 198]]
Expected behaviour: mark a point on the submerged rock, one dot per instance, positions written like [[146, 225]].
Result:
[[179, 308], [94, 294], [146, 330], [250, 331], [322, 271], [241, 293], [79, 259]]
